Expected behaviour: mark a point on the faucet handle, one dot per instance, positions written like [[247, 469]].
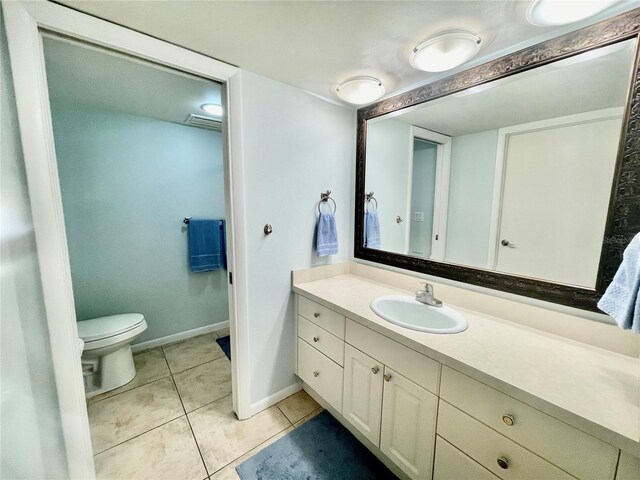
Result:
[[428, 288]]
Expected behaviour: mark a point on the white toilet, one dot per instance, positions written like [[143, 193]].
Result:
[[107, 362]]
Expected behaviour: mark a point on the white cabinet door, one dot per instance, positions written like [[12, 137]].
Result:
[[408, 425], [362, 399]]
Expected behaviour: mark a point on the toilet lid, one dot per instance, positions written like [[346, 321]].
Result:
[[103, 327]]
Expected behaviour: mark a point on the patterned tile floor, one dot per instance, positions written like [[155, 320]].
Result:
[[175, 420]]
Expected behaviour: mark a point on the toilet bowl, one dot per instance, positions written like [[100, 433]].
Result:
[[107, 362]]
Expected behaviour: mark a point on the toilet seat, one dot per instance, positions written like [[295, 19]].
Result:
[[102, 331]]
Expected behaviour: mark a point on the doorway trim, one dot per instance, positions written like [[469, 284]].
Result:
[[23, 21], [441, 194]]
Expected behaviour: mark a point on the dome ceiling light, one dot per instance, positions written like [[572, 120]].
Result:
[[213, 109], [544, 13], [445, 51], [360, 90]]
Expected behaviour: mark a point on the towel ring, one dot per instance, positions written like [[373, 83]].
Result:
[[326, 200]]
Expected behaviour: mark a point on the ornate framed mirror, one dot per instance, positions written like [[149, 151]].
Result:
[[521, 174]]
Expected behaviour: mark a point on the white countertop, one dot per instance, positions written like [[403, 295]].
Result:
[[590, 388]]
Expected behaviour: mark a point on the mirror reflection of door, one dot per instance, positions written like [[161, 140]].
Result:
[[428, 198], [556, 184]]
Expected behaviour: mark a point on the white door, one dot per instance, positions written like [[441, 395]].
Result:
[[408, 425], [362, 393], [556, 188]]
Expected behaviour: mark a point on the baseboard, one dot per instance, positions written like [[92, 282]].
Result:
[[176, 337], [275, 398]]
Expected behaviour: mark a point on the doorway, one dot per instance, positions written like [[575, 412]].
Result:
[[26, 23]]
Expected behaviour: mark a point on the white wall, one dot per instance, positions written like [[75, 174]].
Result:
[[473, 159], [388, 153], [295, 146], [31, 442]]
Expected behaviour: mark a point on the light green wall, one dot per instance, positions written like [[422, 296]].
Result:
[[31, 442], [473, 159], [127, 182]]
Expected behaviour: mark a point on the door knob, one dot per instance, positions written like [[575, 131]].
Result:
[[508, 419], [506, 243], [387, 377], [375, 369], [503, 462], [316, 373], [316, 339]]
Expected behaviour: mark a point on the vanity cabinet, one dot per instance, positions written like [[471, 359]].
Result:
[[387, 400], [321, 350], [395, 397], [576, 452]]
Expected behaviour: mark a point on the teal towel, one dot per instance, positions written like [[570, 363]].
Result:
[[207, 245]]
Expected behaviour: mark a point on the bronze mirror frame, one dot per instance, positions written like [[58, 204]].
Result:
[[623, 219]]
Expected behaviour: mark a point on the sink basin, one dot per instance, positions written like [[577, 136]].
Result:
[[409, 313]]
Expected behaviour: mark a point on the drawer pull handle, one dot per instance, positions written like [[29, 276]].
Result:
[[503, 462], [375, 369], [387, 377], [316, 339], [316, 314], [508, 419], [316, 373]]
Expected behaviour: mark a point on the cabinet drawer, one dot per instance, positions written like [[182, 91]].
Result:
[[416, 367], [578, 453], [628, 468], [452, 464], [321, 374], [322, 340], [325, 317], [488, 448]]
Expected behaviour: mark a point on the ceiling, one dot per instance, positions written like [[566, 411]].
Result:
[[99, 78], [315, 45], [592, 81]]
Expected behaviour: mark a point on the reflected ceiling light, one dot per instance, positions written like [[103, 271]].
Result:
[[560, 12], [445, 51], [360, 90], [213, 109]]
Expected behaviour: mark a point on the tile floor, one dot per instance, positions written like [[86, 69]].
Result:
[[174, 420]]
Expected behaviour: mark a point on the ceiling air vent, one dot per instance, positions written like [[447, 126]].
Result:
[[201, 121]]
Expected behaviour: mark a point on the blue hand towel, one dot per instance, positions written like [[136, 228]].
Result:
[[207, 249], [372, 230], [622, 298], [326, 235]]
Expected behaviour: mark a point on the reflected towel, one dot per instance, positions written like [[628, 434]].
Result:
[[207, 245], [622, 298], [372, 230], [326, 235]]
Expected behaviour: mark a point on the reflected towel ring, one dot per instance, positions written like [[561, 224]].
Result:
[[370, 198]]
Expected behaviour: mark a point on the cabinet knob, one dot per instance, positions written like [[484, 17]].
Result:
[[508, 419], [316, 314], [316, 373], [387, 377], [315, 339], [375, 369], [503, 462]]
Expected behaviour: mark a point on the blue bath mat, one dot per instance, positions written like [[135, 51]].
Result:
[[320, 449], [225, 345]]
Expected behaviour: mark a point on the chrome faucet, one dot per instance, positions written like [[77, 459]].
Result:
[[426, 296]]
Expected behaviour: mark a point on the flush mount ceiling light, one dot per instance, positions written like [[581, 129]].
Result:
[[445, 51], [545, 13], [213, 109], [360, 90]]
